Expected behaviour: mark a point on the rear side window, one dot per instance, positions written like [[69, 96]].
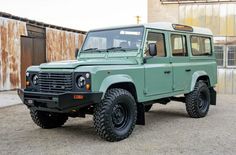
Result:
[[178, 43], [201, 46]]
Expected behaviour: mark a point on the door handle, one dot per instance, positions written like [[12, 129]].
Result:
[[187, 70], [167, 72]]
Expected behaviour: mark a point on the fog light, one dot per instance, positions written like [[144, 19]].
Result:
[[30, 101]]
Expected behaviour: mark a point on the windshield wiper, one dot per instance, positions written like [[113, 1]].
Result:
[[92, 50], [116, 48]]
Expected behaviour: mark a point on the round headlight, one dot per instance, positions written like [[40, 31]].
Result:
[[81, 82], [35, 79]]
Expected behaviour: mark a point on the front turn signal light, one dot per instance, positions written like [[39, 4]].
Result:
[[87, 86], [27, 83]]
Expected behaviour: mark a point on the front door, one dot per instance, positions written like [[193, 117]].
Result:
[[158, 70]]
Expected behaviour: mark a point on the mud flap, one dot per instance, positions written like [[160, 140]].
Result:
[[213, 96], [140, 114]]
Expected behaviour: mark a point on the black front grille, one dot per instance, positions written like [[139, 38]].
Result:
[[55, 82]]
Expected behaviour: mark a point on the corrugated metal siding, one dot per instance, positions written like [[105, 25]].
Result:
[[61, 45], [10, 32], [220, 18], [226, 81]]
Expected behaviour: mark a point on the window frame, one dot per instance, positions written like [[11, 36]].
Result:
[[227, 57], [186, 45], [164, 42], [211, 50], [224, 55]]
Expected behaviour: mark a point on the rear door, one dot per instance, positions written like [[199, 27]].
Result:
[[180, 61], [158, 70]]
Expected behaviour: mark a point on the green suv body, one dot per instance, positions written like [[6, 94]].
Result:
[[120, 72]]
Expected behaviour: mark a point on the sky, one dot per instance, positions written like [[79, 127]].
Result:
[[78, 14]]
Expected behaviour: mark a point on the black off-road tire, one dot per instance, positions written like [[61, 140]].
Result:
[[148, 108], [48, 120], [198, 101], [115, 116]]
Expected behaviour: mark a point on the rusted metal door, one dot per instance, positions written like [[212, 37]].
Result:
[[33, 49], [26, 56], [39, 51], [32, 53]]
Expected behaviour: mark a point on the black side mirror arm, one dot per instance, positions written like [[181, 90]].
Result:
[[76, 52]]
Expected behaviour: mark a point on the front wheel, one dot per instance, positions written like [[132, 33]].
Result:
[[115, 116], [48, 120], [198, 101]]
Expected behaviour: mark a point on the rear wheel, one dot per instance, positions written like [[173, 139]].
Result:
[[115, 116], [198, 101], [48, 120]]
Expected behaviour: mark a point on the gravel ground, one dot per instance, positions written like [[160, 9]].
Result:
[[168, 130]]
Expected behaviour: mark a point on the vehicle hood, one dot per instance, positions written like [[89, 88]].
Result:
[[71, 64]]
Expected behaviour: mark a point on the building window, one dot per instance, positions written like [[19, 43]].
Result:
[[219, 53], [231, 56], [178, 44], [194, 1]]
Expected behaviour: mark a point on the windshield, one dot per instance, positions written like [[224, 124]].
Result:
[[116, 39]]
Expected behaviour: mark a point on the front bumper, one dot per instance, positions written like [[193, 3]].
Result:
[[63, 102]]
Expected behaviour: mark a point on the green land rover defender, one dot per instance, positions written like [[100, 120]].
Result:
[[120, 72]]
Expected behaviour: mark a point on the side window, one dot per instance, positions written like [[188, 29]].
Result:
[[200, 46], [158, 39], [178, 43]]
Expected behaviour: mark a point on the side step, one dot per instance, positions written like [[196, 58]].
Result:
[[178, 99]]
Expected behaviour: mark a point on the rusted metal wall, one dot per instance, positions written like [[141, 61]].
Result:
[[61, 45], [10, 32]]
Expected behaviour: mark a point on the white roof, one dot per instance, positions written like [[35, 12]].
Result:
[[168, 26], [164, 26]]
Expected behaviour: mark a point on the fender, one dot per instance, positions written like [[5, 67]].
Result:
[[195, 76], [113, 79]]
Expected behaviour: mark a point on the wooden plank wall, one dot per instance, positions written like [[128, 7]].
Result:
[[61, 45], [10, 32]]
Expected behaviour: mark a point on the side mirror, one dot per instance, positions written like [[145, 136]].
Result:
[[152, 49], [76, 52]]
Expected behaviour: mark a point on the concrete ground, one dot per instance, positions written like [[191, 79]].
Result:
[[8, 98], [168, 130]]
